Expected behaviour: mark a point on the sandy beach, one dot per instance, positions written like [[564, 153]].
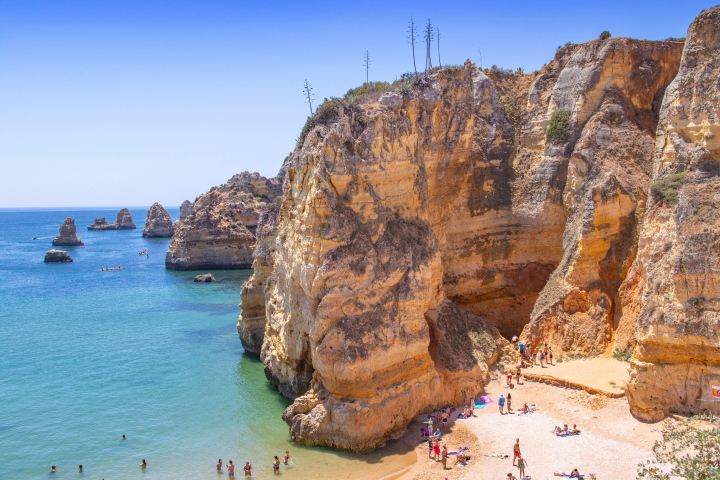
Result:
[[611, 445]]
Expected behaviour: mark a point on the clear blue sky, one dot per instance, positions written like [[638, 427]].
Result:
[[124, 103]]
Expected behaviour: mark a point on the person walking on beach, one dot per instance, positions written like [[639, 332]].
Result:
[[521, 465], [501, 404], [444, 454], [509, 402], [248, 469], [286, 458], [219, 465], [516, 450], [230, 469]]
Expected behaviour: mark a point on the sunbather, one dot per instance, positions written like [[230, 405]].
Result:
[[574, 430], [574, 474], [524, 409]]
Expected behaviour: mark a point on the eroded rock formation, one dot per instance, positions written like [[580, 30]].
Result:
[[218, 231], [158, 223], [185, 210], [67, 237], [676, 277], [417, 227], [57, 256], [123, 221]]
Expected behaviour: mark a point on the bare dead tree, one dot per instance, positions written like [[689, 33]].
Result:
[[428, 43], [412, 35], [438, 42], [307, 92], [366, 62]]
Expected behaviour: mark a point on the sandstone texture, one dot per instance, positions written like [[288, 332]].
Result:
[[218, 231], [185, 210], [67, 237], [204, 278], [57, 256], [677, 271], [419, 228], [158, 223], [123, 221]]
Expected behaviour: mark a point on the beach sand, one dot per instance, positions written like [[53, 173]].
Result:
[[611, 445]]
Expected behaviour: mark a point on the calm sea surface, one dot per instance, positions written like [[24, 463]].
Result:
[[87, 356]]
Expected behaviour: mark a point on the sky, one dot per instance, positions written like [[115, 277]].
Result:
[[125, 103]]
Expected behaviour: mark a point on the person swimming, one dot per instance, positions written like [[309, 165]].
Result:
[[286, 458], [80, 468], [143, 465], [53, 469]]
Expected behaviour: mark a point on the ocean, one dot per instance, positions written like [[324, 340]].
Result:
[[87, 356]]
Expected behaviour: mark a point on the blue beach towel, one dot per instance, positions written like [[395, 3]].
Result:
[[480, 405]]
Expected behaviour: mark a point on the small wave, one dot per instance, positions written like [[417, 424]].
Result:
[[395, 474]]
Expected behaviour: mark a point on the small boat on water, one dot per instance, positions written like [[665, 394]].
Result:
[[34, 238], [144, 252], [112, 268]]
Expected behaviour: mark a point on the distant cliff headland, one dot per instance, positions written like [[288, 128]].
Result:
[[423, 221]]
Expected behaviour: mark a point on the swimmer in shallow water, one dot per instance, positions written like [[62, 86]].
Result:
[[286, 458], [248, 469], [230, 469], [276, 465], [143, 465], [219, 465]]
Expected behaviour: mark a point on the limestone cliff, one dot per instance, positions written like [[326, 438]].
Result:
[[676, 277], [418, 225], [158, 223], [185, 210], [218, 231], [67, 237], [123, 221]]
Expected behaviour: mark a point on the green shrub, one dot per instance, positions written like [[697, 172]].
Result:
[[361, 120], [675, 39], [559, 126], [666, 188], [605, 35], [622, 356]]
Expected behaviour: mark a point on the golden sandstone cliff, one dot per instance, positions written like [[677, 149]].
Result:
[[217, 231], [419, 227]]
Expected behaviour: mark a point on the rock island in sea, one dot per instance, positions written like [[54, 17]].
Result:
[[123, 221], [67, 237], [158, 223], [424, 221], [218, 230]]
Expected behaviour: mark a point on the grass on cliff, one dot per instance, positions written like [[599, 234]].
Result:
[[559, 126], [667, 187]]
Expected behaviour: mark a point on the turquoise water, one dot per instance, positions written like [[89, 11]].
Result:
[[87, 356]]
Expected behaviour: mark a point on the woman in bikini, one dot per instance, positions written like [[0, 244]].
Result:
[[521, 465]]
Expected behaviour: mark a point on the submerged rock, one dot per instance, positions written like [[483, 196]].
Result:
[[57, 256], [158, 223], [67, 237], [204, 278]]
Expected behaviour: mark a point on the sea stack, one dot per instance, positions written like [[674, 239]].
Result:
[[67, 237], [158, 223], [124, 220], [185, 210], [57, 256], [219, 230], [100, 224]]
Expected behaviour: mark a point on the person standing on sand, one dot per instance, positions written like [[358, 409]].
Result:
[[472, 407], [230, 468], [550, 353], [248, 469], [518, 374], [516, 450], [509, 402], [501, 404], [444, 455], [521, 465]]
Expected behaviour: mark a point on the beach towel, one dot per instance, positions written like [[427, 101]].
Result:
[[480, 405], [568, 476], [498, 455], [486, 399], [567, 434]]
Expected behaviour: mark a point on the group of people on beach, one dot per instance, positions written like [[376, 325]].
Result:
[[530, 356], [230, 465], [247, 468]]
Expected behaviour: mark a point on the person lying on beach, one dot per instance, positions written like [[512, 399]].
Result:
[[524, 409], [510, 476], [574, 430], [523, 364], [574, 474], [557, 430], [466, 413], [462, 459]]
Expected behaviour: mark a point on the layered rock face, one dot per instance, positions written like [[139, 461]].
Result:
[[57, 256], [417, 227], [158, 223], [67, 237], [218, 231], [123, 221], [185, 210], [675, 276]]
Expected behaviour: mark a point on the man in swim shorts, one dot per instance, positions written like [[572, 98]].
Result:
[[230, 468], [501, 404], [516, 451]]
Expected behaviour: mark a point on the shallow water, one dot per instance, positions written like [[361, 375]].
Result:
[[87, 356]]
